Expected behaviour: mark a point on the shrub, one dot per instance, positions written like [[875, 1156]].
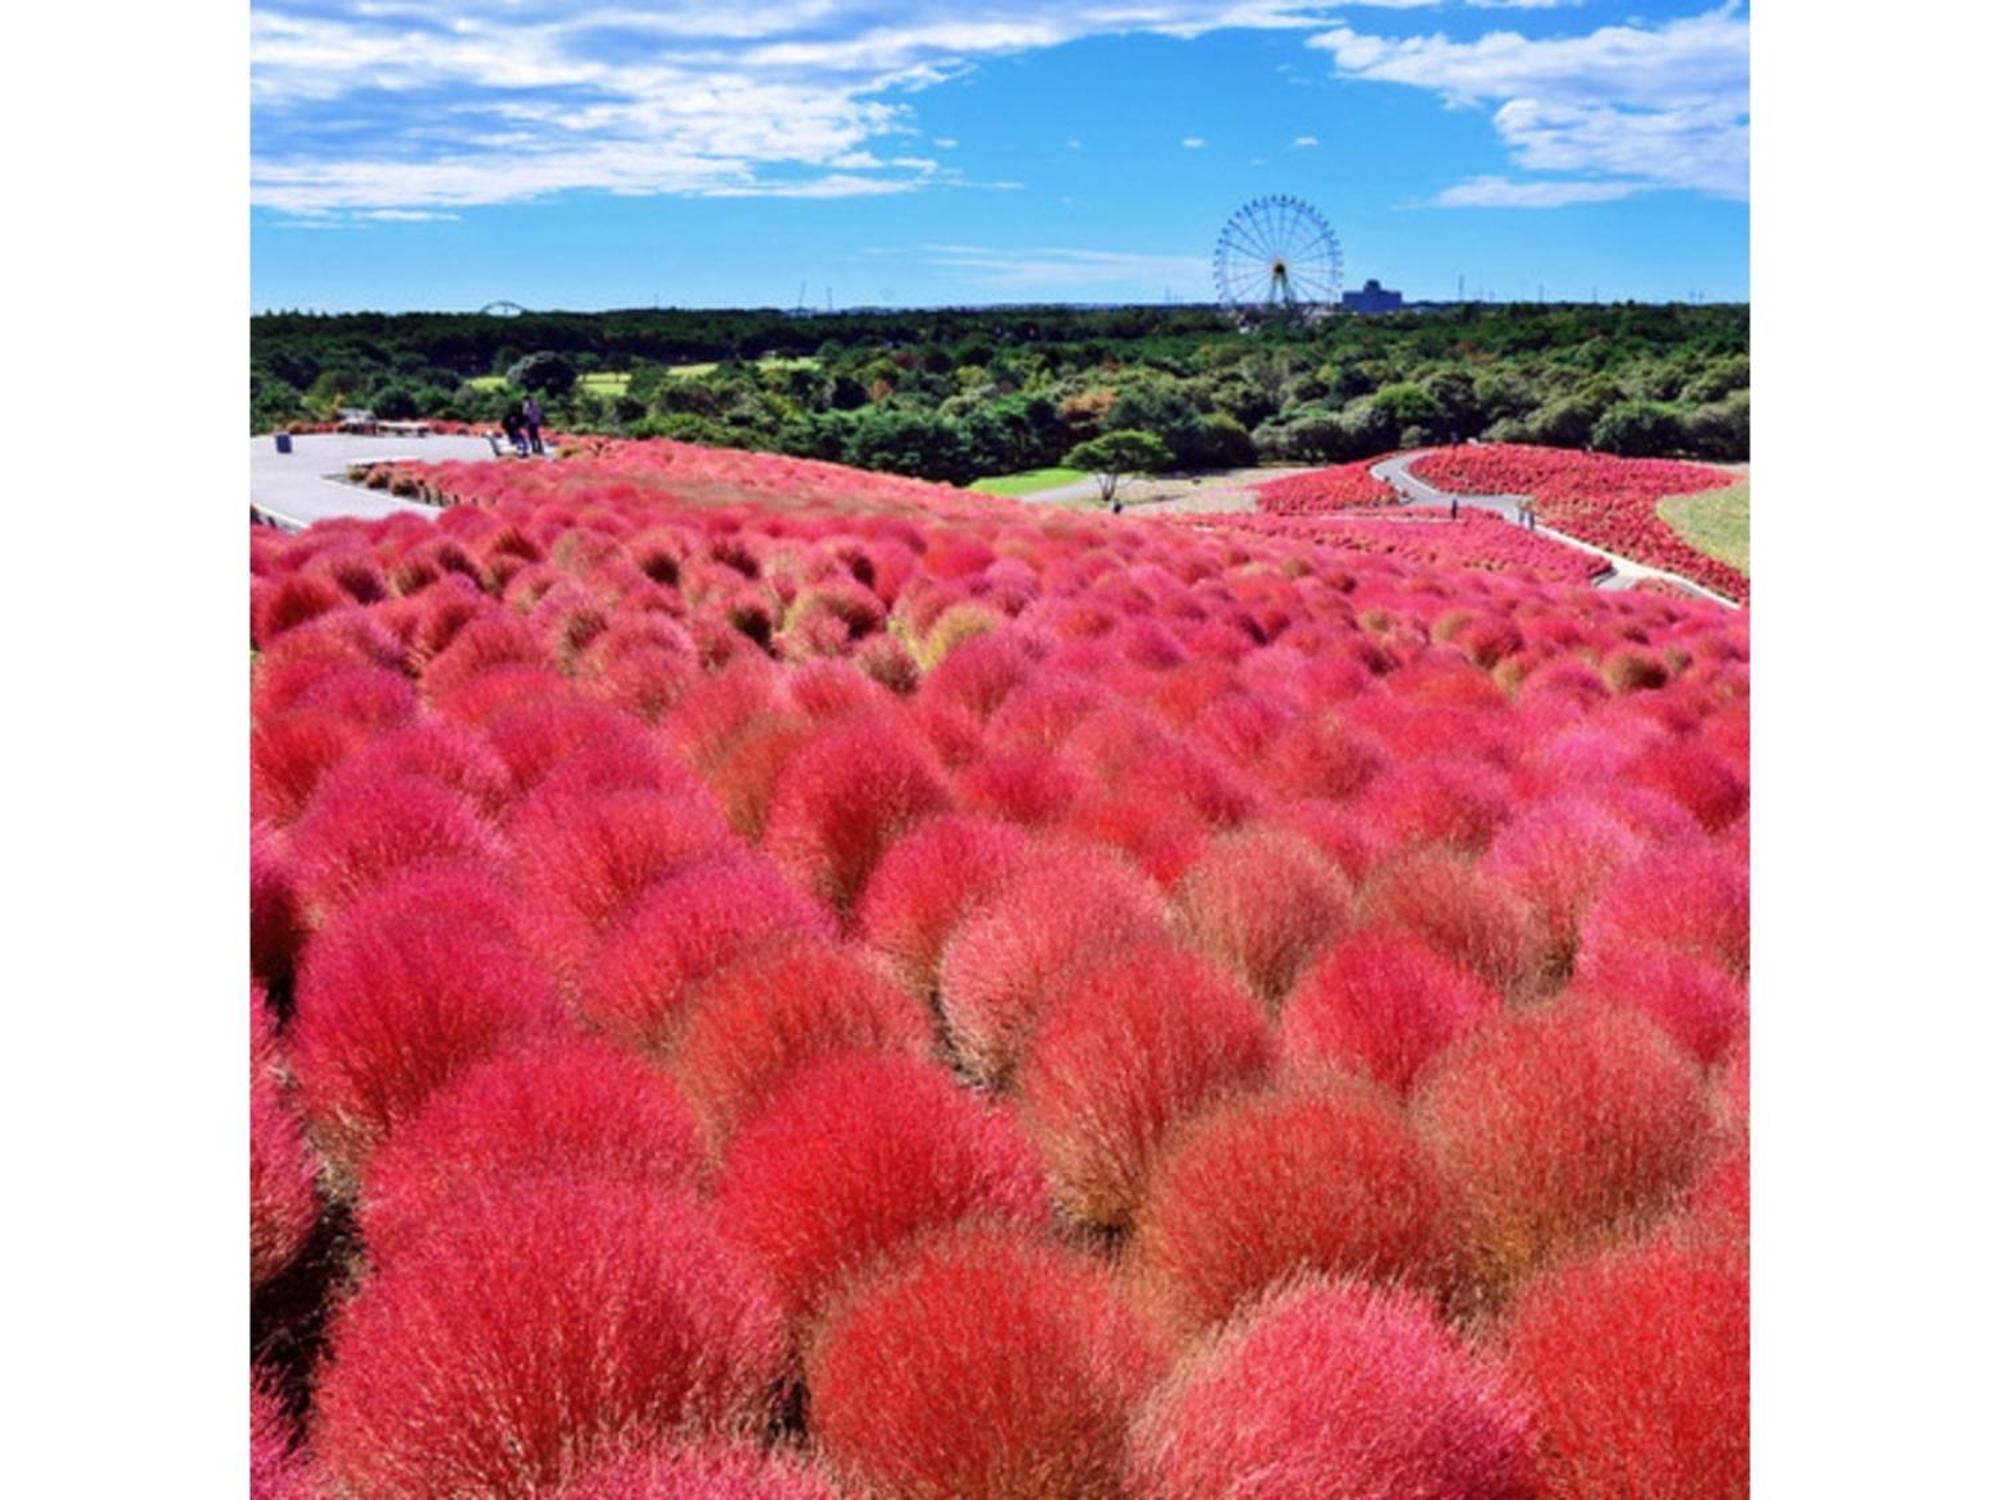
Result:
[[284, 1205], [857, 1154], [433, 749], [279, 1467], [1697, 1003], [1698, 779], [1030, 787], [583, 861], [362, 831], [844, 798], [276, 607], [1637, 1361], [710, 1471], [275, 927], [685, 928], [1453, 803], [1381, 1004], [776, 1009], [400, 993], [1262, 902], [1690, 897], [982, 1366], [1557, 857], [1333, 1391], [574, 1109], [480, 645], [926, 882], [1066, 905], [1326, 1178], [536, 1329], [1127, 1046], [1554, 1126], [1463, 913], [289, 755]]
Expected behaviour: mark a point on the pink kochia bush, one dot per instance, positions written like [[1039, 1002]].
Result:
[[279, 1468], [1067, 904], [733, 1471], [569, 1109], [1263, 902], [540, 1325], [1637, 1362], [1553, 1126], [1129, 1045], [400, 993], [284, 1205], [1259, 1189], [983, 1366], [1333, 1391], [776, 1010], [926, 883], [1381, 1005], [858, 1154]]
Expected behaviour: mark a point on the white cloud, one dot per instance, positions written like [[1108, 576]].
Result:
[[1193, 142], [444, 104], [1305, 140], [944, 142], [1067, 269], [1506, 192], [1667, 105], [1074, 144]]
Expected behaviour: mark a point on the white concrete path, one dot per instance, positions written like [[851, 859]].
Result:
[[310, 483]]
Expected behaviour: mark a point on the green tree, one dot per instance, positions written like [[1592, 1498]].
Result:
[[1115, 455], [1639, 429], [545, 370]]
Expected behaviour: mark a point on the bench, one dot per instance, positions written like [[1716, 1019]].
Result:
[[405, 429], [355, 419]]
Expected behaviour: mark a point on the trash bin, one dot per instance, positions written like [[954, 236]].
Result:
[[283, 440]]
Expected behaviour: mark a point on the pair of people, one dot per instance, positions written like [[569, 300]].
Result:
[[522, 422]]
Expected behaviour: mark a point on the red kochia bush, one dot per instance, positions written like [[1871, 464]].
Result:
[[403, 991], [844, 798], [925, 883], [289, 754], [709, 1471], [1698, 779], [684, 929], [574, 1108], [1463, 913], [1127, 1046], [1637, 1362], [537, 1328], [1262, 902], [1691, 897], [584, 860], [283, 1204], [275, 929], [1381, 1004], [1067, 904], [982, 1367], [776, 1009], [1329, 1178], [1333, 1391], [1554, 1125], [279, 1468], [1557, 857], [359, 832], [1698, 1003], [859, 1153]]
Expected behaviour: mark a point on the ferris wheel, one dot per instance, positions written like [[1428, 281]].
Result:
[[1277, 255]]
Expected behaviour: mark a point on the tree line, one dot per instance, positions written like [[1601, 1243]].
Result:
[[956, 394]]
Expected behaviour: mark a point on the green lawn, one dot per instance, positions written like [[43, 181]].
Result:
[[605, 383], [1716, 522], [1033, 482], [775, 362]]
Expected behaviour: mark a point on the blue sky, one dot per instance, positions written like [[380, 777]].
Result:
[[617, 153]]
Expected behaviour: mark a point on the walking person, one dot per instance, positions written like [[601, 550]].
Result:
[[531, 412]]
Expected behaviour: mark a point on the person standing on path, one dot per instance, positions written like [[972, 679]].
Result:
[[531, 413], [510, 423]]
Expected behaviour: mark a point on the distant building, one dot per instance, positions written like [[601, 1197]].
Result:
[[1372, 298]]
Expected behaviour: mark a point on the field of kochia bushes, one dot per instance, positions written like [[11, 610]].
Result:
[[774, 982], [1610, 502]]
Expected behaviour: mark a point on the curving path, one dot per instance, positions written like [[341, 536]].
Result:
[[1624, 571], [309, 484]]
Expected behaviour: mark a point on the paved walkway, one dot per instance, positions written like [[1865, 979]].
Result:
[[310, 483], [1624, 571]]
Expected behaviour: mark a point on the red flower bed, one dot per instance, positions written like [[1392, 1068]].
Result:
[[777, 977], [1610, 502], [1342, 487], [1425, 534]]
